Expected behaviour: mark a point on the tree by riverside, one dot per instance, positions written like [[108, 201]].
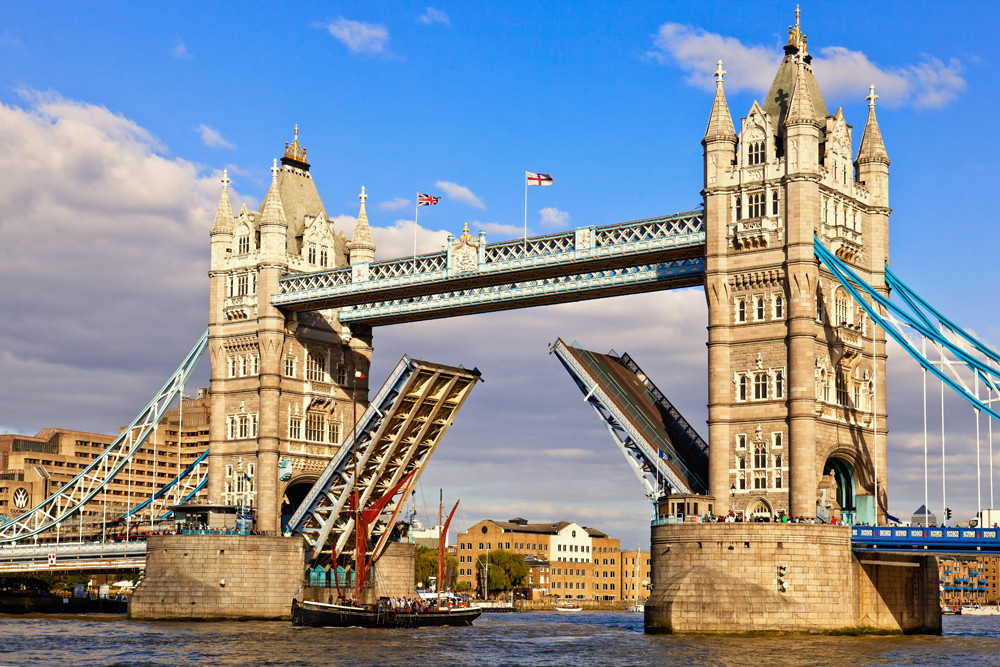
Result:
[[426, 566], [506, 571]]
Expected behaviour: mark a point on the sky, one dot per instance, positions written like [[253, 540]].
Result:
[[117, 119]]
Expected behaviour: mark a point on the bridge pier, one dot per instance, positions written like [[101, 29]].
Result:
[[725, 578]]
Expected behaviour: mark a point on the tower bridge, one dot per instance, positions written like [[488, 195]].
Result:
[[793, 224]]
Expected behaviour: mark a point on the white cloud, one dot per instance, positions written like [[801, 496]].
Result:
[[394, 204], [396, 240], [360, 38], [105, 237], [496, 231], [554, 218], [180, 52], [460, 193], [432, 15], [212, 138], [841, 72]]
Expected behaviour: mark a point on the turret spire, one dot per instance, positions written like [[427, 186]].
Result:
[[800, 106], [720, 122], [224, 213], [872, 148], [361, 247]]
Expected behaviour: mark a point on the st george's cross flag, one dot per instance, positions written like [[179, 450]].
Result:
[[426, 200], [538, 179]]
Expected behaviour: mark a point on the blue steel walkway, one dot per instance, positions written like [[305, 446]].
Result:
[[930, 540]]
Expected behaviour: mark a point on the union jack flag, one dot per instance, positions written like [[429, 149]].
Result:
[[426, 200]]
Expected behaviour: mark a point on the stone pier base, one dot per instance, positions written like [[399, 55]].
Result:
[[739, 577], [218, 577]]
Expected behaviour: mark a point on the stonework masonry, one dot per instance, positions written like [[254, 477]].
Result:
[[736, 577], [218, 577]]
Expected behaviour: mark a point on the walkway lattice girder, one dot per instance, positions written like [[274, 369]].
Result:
[[549, 291], [587, 250], [396, 436]]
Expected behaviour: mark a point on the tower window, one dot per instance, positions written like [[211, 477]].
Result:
[[760, 386], [312, 254], [774, 202], [759, 303], [756, 207], [741, 310], [841, 389], [779, 385], [315, 367], [243, 244], [779, 307], [290, 366], [739, 207], [743, 387], [755, 152], [322, 256], [760, 457]]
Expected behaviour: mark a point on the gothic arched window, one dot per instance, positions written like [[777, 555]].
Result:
[[243, 240], [312, 254], [323, 256], [315, 366], [760, 457]]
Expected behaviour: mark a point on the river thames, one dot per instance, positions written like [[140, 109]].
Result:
[[535, 638]]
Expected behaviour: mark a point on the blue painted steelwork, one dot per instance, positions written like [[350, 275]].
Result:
[[658, 447], [928, 540], [540, 292], [190, 491], [921, 322], [624, 257], [71, 497]]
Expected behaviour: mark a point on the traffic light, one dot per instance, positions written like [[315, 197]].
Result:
[[947, 512]]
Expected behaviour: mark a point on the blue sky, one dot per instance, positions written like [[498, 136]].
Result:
[[117, 120]]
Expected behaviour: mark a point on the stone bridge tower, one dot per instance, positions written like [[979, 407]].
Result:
[[281, 384], [796, 369]]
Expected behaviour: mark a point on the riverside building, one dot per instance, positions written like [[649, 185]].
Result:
[[566, 560]]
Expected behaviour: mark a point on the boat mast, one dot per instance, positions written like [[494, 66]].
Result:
[[440, 579]]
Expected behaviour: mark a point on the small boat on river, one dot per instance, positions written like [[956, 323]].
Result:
[[568, 606], [321, 614]]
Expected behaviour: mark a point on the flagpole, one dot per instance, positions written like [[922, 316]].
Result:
[[416, 220], [526, 212]]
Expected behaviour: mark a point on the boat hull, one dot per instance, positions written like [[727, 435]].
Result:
[[320, 615]]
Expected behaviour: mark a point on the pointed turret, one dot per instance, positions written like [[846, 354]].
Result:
[[273, 224], [872, 149], [720, 122], [224, 214], [801, 109], [222, 230], [361, 247]]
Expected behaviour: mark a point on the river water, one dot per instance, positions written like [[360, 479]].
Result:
[[535, 638]]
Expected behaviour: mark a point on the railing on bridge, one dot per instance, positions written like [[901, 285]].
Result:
[[929, 539], [71, 556], [473, 276]]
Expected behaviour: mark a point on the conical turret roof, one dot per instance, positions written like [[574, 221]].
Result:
[[872, 147], [224, 214], [720, 122]]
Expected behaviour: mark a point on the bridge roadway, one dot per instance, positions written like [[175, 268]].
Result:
[[97, 556], [472, 276], [72, 556]]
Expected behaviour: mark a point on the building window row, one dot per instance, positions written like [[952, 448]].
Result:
[[241, 426], [241, 284], [759, 308], [243, 365], [760, 385], [756, 204], [314, 252], [319, 427]]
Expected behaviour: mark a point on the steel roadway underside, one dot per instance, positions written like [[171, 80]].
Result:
[[472, 276]]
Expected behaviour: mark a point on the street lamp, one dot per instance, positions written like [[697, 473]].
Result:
[[732, 496]]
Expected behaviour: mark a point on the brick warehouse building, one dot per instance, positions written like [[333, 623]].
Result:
[[566, 560]]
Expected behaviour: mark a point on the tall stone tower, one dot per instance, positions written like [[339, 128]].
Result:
[[796, 369], [282, 384]]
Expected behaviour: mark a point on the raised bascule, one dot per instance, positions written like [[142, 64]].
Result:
[[791, 247]]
